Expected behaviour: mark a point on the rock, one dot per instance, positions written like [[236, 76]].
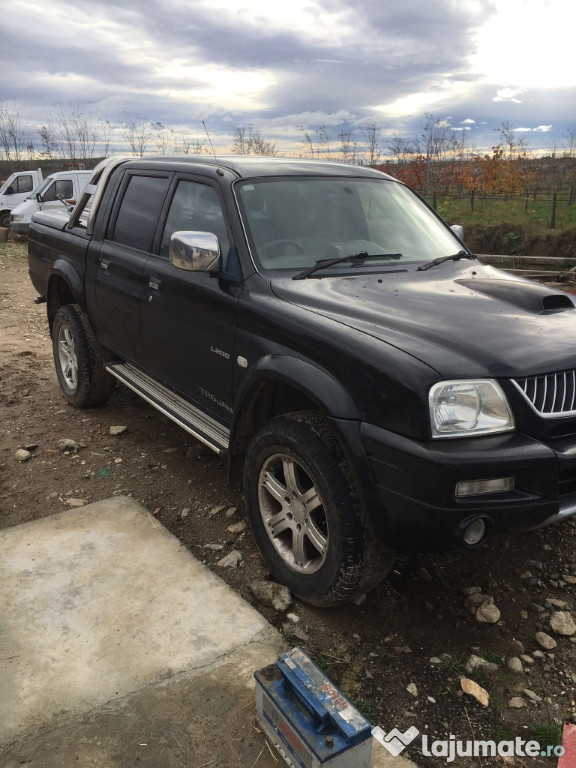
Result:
[[526, 575], [562, 623], [194, 451], [350, 683], [231, 511], [545, 641], [214, 547], [293, 618], [552, 602], [66, 444], [238, 527], [569, 579], [476, 599], [215, 510], [360, 599], [76, 502], [185, 512], [271, 594], [435, 660], [531, 695], [488, 613], [538, 654], [537, 608], [22, 455], [475, 690], [527, 659], [515, 665], [516, 702], [118, 430], [412, 689], [471, 590], [477, 662], [231, 560]]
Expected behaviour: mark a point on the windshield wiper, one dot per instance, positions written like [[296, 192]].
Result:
[[357, 258], [453, 257]]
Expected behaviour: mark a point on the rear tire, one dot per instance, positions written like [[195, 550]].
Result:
[[305, 512], [80, 359]]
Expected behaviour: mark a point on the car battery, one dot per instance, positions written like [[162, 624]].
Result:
[[308, 720]]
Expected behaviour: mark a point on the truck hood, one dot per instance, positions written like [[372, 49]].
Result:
[[461, 320]]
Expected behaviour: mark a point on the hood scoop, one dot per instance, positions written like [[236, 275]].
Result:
[[531, 297]]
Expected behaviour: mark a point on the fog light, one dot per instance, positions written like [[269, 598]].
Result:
[[480, 487], [474, 532]]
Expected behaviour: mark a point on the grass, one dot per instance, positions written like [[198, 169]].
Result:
[[548, 733], [533, 215]]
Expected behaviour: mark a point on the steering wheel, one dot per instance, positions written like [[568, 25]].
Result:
[[282, 241]]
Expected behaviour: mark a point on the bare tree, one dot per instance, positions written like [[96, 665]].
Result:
[[439, 145], [371, 134], [189, 146], [137, 131], [47, 141], [248, 141], [570, 143], [317, 144], [71, 135], [12, 133], [348, 147], [402, 149], [105, 134], [164, 138], [507, 135]]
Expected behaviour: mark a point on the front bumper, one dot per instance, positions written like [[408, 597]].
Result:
[[20, 228], [412, 502]]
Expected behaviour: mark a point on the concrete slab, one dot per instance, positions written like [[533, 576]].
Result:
[[118, 648]]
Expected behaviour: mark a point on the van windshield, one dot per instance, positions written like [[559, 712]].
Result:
[[294, 222], [41, 187]]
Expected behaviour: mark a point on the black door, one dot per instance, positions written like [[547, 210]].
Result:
[[188, 319], [120, 280]]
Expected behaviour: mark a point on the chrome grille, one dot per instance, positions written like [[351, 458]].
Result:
[[551, 394]]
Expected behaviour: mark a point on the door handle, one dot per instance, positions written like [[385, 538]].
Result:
[[154, 283], [105, 264]]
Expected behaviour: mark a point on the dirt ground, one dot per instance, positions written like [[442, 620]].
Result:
[[414, 631]]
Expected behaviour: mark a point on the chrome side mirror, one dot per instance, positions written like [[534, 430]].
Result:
[[195, 251], [458, 231]]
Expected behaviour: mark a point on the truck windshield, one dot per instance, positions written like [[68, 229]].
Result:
[[292, 223]]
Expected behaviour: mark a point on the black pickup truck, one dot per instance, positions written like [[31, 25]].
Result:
[[328, 335]]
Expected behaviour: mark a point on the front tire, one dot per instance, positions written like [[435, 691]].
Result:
[[305, 512], [80, 359]]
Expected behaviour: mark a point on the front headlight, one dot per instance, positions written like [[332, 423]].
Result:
[[466, 408], [16, 218]]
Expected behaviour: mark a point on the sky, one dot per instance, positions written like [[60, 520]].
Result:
[[289, 67]]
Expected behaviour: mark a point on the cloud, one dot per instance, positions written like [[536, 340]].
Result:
[[509, 94], [241, 62]]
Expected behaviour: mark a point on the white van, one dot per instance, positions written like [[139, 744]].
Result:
[[56, 191], [15, 189]]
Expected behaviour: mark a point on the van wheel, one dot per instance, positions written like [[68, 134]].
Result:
[[80, 359], [5, 219], [305, 513]]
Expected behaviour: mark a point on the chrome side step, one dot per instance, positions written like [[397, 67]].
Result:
[[193, 420]]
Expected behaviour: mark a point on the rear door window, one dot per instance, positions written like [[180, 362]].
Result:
[[139, 211]]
